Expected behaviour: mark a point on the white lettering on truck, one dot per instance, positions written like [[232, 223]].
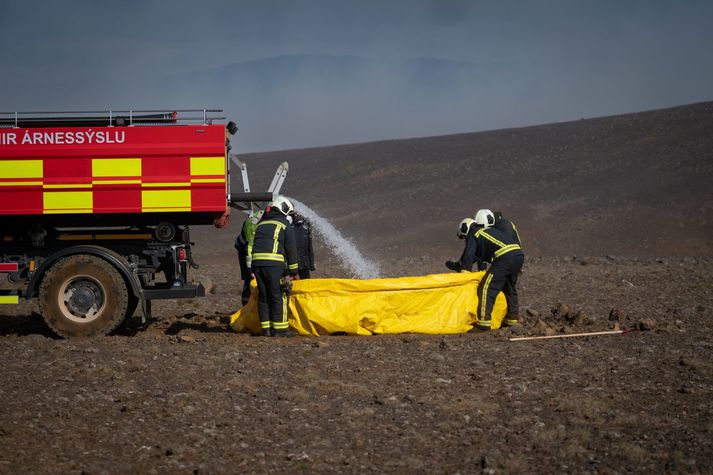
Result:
[[90, 137], [9, 138]]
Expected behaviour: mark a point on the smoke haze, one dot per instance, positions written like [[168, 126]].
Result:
[[309, 73]]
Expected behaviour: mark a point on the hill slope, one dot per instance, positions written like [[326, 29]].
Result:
[[636, 184]]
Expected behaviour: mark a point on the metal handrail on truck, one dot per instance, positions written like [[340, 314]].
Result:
[[110, 118]]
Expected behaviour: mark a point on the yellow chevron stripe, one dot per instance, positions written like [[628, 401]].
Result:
[[20, 183], [166, 200], [63, 201], [207, 180], [116, 182], [21, 168], [103, 167], [166, 185], [208, 166], [67, 186]]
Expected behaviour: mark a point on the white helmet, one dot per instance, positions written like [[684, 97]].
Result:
[[464, 227], [485, 218], [284, 205]]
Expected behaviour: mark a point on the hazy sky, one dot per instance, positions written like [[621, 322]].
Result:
[[301, 73]]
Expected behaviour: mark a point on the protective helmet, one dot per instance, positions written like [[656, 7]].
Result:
[[485, 218], [463, 227], [284, 205]]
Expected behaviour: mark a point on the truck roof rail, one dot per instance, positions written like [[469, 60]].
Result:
[[110, 118]]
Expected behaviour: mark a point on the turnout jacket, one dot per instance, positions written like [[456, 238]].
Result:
[[486, 245], [274, 243], [507, 226]]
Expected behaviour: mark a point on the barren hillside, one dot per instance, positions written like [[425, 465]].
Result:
[[636, 184]]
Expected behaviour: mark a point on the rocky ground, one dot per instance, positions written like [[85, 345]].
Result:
[[186, 395]]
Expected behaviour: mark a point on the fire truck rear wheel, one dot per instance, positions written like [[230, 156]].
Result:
[[83, 296]]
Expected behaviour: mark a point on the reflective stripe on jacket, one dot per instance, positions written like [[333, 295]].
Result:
[[274, 243], [486, 244]]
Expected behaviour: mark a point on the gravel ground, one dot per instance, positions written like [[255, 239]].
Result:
[[186, 395]]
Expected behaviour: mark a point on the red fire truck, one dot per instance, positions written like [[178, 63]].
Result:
[[95, 209]]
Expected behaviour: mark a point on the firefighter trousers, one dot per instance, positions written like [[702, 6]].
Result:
[[502, 276], [272, 302]]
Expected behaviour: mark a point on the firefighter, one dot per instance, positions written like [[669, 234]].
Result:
[[243, 242], [484, 243], [274, 263], [305, 252]]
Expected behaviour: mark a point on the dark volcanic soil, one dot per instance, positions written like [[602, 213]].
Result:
[[187, 395]]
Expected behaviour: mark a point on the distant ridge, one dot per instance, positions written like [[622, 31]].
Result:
[[637, 184]]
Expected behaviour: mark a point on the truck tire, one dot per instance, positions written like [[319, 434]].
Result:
[[82, 296]]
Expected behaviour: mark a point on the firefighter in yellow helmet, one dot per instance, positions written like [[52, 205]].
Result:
[[274, 263], [484, 243]]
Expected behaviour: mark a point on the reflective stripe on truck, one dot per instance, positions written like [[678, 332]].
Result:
[[9, 297]]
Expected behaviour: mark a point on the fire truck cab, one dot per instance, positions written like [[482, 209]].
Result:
[[95, 209]]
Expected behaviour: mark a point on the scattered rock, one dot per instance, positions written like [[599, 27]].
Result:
[[647, 324], [626, 282], [540, 326], [560, 311], [531, 312], [186, 339], [437, 357], [578, 318], [616, 315]]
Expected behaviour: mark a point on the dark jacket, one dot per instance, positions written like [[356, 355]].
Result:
[[485, 245], [506, 226], [303, 237], [274, 243]]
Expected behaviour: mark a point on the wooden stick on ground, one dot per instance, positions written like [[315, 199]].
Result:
[[522, 338]]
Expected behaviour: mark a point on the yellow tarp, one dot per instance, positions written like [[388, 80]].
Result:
[[437, 303]]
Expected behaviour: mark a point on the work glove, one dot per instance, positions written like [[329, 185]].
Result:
[[482, 265], [286, 285], [454, 266]]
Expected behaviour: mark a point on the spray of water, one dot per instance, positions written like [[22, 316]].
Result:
[[342, 247]]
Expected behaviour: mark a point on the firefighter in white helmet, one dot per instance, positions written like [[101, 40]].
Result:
[[274, 263], [484, 243], [498, 222]]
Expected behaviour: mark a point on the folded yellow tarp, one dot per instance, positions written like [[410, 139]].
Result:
[[437, 303]]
